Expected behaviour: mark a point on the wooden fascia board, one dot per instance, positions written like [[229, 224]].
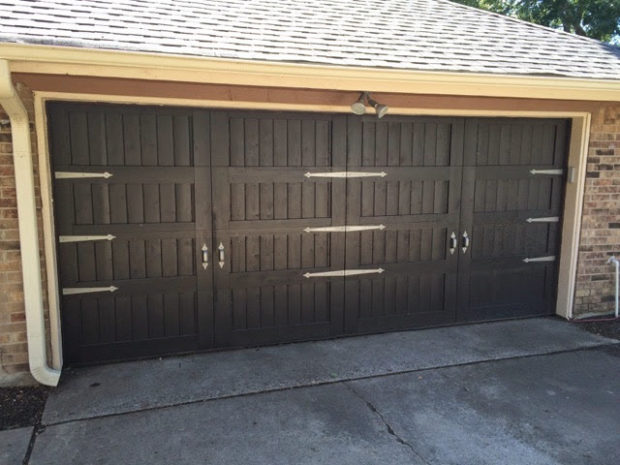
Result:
[[73, 61]]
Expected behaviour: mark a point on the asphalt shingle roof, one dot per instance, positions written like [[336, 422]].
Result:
[[429, 35]]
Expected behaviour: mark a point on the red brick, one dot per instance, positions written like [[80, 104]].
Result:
[[601, 200]]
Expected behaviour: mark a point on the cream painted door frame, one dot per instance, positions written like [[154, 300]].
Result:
[[573, 202]]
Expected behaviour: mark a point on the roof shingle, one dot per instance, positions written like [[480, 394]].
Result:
[[428, 35]]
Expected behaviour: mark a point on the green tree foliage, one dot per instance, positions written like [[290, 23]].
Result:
[[598, 19]]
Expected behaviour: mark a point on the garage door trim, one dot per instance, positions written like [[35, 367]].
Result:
[[579, 141]]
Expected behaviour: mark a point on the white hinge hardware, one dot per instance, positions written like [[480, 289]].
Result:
[[77, 175], [548, 219], [343, 273], [87, 290], [539, 259], [345, 228], [347, 174], [64, 239], [548, 172]]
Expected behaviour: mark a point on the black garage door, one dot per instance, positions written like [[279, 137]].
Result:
[[183, 229]]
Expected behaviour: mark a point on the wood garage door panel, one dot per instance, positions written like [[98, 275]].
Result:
[[506, 142], [279, 252], [403, 298], [122, 259], [256, 308], [97, 203], [117, 325], [502, 241], [115, 135], [415, 201], [403, 142], [404, 197], [268, 173], [507, 285], [275, 140], [148, 204], [500, 194], [264, 204]]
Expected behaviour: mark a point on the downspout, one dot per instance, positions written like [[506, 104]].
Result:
[[28, 234], [613, 260]]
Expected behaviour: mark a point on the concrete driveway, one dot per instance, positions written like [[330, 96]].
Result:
[[537, 391]]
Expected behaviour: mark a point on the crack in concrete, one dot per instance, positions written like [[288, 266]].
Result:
[[387, 425], [36, 430]]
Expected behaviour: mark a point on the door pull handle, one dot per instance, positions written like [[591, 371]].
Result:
[[465, 242], [205, 256], [453, 243], [221, 255]]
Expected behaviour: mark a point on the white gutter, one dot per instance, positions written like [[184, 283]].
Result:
[[28, 234]]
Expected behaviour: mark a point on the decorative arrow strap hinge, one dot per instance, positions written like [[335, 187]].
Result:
[[548, 172], [345, 228], [548, 219], [64, 239], [78, 175], [347, 174], [87, 290], [539, 259], [343, 273]]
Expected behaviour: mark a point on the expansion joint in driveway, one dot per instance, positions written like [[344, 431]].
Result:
[[388, 427], [37, 429]]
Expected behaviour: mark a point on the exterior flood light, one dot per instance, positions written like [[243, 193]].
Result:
[[359, 106], [380, 109]]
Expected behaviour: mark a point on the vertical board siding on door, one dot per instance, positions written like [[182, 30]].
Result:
[[431, 177], [500, 194], [124, 259], [279, 200], [261, 252], [97, 204], [263, 204], [417, 202], [148, 204]]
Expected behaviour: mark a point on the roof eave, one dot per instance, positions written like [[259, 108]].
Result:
[[44, 59]]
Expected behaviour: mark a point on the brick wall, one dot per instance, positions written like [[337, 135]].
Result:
[[595, 281], [600, 231]]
